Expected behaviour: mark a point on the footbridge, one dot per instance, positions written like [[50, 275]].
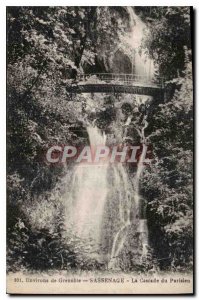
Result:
[[117, 83]]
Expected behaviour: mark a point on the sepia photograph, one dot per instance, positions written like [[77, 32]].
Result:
[[100, 149]]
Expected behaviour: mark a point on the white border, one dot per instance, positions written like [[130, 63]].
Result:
[[3, 5], [98, 3]]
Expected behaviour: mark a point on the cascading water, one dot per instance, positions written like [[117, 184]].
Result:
[[135, 199], [127, 211], [103, 204], [88, 193], [143, 66]]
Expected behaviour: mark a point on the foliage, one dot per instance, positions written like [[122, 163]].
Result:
[[47, 47], [170, 35], [44, 250], [168, 184]]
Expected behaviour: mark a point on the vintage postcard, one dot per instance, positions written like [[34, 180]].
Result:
[[99, 150]]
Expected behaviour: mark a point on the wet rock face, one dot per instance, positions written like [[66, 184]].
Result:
[[127, 109], [121, 63]]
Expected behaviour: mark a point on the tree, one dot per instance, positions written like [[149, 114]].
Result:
[[46, 48]]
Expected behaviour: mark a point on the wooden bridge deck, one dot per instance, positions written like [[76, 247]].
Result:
[[117, 83]]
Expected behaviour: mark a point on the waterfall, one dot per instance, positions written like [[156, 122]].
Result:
[[142, 64], [91, 189], [103, 204]]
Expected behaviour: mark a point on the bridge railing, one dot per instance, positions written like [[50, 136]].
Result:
[[124, 79]]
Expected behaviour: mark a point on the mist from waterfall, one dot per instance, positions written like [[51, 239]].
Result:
[[88, 193]]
